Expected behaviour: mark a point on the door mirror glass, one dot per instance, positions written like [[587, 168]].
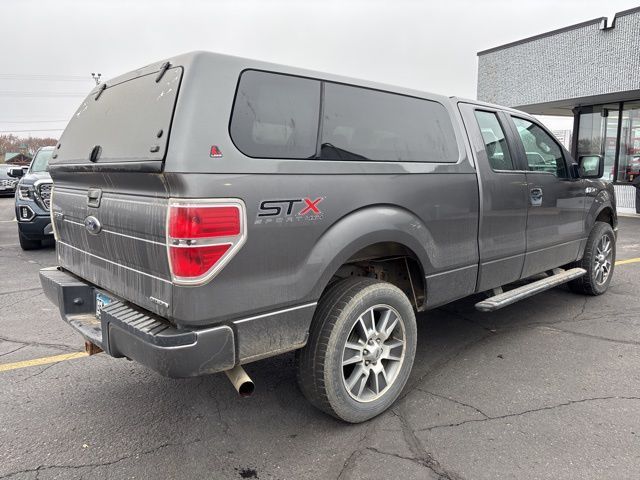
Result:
[[591, 166]]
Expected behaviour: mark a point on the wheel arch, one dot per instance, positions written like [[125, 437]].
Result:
[[602, 210], [375, 233]]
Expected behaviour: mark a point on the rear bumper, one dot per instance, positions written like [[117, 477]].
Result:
[[127, 331]]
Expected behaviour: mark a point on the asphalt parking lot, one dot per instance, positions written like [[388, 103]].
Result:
[[547, 388]]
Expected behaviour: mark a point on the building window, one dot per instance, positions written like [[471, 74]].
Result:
[[598, 133], [629, 156]]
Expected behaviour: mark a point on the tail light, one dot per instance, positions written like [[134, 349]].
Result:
[[202, 236]]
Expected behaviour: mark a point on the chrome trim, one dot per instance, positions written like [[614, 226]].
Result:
[[113, 263], [201, 242], [36, 188], [33, 214], [277, 312]]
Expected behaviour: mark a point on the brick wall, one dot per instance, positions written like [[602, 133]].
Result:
[[576, 62]]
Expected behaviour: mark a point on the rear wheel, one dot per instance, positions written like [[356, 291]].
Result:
[[598, 260], [360, 350], [27, 244]]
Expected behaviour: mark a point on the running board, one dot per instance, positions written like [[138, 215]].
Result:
[[512, 296]]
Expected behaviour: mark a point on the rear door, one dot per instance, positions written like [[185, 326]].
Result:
[[503, 196], [555, 219]]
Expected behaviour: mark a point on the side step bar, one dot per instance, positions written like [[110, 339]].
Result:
[[512, 296]]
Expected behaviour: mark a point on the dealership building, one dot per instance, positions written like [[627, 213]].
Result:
[[589, 71]]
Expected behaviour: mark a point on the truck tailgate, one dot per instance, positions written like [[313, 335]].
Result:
[[127, 256]]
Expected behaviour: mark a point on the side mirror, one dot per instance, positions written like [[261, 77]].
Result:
[[591, 166], [16, 172]]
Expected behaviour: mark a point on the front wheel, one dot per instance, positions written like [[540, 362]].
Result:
[[27, 244], [598, 260], [360, 350]]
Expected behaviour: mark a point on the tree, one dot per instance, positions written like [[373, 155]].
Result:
[[30, 145]]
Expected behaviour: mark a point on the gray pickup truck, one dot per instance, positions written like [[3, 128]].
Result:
[[211, 211]]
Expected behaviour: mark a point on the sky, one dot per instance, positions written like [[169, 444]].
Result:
[[50, 48]]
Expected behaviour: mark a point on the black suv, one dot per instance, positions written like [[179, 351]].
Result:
[[32, 201]]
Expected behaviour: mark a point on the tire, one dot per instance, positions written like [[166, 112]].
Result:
[[595, 282], [27, 244], [342, 313]]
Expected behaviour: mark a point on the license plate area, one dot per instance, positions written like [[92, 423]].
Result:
[[102, 300]]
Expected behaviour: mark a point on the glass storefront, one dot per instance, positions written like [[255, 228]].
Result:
[[629, 159], [613, 131]]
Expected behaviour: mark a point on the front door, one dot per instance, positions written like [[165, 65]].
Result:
[[555, 219]]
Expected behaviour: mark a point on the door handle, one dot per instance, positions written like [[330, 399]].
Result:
[[535, 195]]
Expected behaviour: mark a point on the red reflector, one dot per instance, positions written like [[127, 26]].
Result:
[[193, 262], [199, 222]]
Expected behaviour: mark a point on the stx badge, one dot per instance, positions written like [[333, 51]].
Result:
[[289, 210]]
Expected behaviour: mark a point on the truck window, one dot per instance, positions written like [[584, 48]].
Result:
[[276, 116], [41, 161], [542, 151], [123, 120], [364, 124], [495, 143]]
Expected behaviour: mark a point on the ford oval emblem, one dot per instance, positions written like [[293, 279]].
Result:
[[92, 224]]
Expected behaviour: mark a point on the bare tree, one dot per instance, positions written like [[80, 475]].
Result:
[[30, 145]]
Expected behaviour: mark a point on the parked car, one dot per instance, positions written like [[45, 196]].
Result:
[[211, 211], [7, 183], [33, 197]]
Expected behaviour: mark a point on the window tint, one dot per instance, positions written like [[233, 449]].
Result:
[[543, 152], [495, 143], [362, 124], [276, 116]]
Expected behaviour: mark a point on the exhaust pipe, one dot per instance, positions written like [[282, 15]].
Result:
[[241, 381]]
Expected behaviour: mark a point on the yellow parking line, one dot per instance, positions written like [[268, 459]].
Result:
[[41, 361], [630, 260]]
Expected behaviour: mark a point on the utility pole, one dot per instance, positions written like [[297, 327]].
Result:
[[96, 77]]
